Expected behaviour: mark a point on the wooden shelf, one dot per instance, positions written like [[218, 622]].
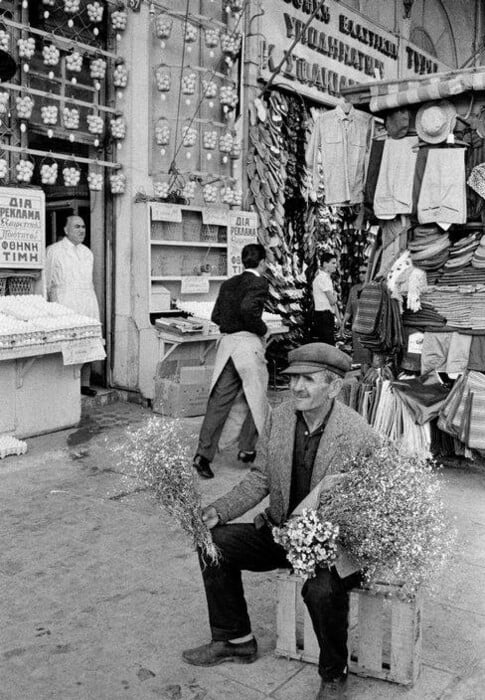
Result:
[[190, 244]]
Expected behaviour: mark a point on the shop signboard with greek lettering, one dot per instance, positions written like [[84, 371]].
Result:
[[22, 228], [242, 229]]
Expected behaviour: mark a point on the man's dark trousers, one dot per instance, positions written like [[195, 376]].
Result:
[[244, 547], [219, 405]]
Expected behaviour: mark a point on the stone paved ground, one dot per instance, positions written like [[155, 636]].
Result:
[[101, 592]]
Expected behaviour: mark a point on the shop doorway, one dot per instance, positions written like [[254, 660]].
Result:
[[57, 213]]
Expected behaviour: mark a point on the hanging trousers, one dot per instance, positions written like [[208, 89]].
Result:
[[242, 546], [324, 327], [219, 405]]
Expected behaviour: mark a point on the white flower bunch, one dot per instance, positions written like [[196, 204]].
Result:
[[26, 47], [163, 26], [74, 62], [95, 182], [209, 88], [228, 96], [3, 168], [25, 105], [163, 78], [95, 124], [231, 43], [225, 142], [48, 173], [4, 40], [161, 189], [231, 196], [119, 19], [189, 136], [190, 33], [209, 140], [189, 190], [49, 3], [310, 542], [210, 193], [120, 76], [71, 6], [117, 183], [51, 55], [71, 176], [162, 134], [70, 117], [98, 68], [49, 114], [25, 170], [211, 37], [188, 83], [95, 11], [118, 128]]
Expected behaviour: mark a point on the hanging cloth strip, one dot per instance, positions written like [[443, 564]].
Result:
[[442, 198]]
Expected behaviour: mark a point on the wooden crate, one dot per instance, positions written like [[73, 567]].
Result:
[[384, 631]]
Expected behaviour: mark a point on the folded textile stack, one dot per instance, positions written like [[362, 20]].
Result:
[[426, 317], [378, 320], [462, 251], [429, 247], [478, 259], [466, 276], [463, 307]]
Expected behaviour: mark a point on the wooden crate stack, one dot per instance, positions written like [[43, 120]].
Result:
[[384, 631]]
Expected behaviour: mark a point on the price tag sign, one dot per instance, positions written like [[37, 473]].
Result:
[[415, 343], [195, 285], [166, 212], [214, 216], [77, 352]]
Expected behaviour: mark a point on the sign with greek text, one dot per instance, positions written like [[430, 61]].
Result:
[[195, 285], [166, 212], [77, 352], [242, 229], [337, 48], [22, 228]]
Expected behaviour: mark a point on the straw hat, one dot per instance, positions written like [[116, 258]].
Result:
[[435, 121]]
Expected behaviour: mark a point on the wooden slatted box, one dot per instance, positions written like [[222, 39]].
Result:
[[384, 631]]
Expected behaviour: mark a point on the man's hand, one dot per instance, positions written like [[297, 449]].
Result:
[[210, 517]]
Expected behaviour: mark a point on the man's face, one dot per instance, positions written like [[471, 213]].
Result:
[[310, 391], [330, 266], [362, 275], [75, 230]]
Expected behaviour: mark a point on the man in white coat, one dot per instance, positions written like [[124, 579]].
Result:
[[69, 280]]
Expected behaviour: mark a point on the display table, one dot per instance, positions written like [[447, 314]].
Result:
[[42, 348]]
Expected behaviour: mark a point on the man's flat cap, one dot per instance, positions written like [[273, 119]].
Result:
[[315, 357]]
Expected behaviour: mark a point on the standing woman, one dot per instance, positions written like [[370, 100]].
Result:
[[326, 314]]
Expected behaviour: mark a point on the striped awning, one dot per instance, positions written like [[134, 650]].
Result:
[[384, 95]]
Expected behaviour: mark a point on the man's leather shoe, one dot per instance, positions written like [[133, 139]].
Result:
[[218, 652], [87, 391], [202, 465], [246, 456], [333, 690]]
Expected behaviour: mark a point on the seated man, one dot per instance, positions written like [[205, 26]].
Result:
[[305, 444]]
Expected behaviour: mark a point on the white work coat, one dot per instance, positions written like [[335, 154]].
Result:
[[69, 277]]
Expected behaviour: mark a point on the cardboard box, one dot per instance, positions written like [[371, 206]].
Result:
[[180, 400]]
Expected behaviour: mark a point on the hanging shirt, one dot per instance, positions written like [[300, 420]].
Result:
[[321, 285], [341, 140], [69, 277]]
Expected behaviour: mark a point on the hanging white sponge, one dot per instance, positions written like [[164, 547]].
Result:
[[10, 445]]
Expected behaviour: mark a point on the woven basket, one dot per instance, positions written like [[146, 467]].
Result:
[[20, 284]]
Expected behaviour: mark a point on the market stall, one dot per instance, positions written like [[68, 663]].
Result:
[[42, 348], [422, 315]]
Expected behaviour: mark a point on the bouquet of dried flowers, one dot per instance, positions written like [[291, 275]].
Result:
[[159, 457], [310, 542], [391, 517]]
